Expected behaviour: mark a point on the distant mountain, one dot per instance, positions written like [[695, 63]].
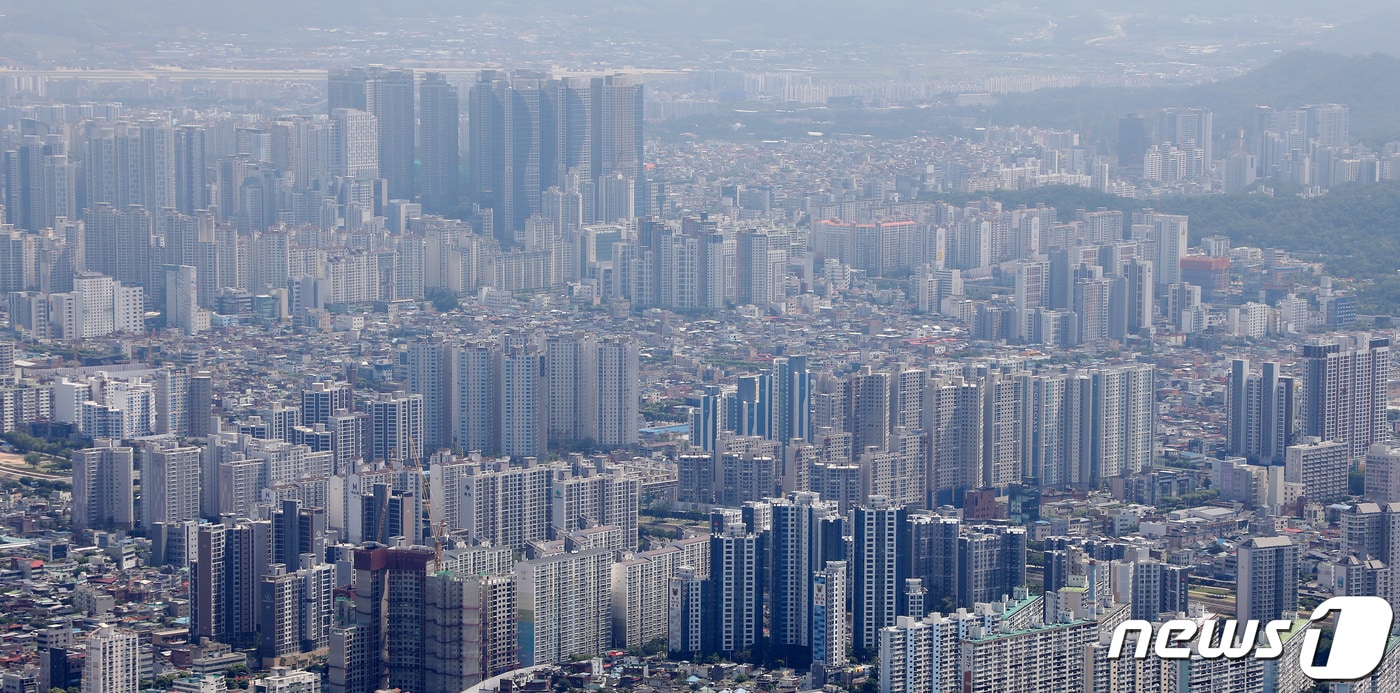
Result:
[[1368, 84]]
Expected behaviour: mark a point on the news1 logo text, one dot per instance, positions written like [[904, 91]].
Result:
[[1359, 639]]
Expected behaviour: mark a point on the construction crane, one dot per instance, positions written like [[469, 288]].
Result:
[[382, 529], [439, 538]]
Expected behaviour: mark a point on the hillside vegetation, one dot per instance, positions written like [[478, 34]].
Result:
[[1354, 230], [1368, 84]]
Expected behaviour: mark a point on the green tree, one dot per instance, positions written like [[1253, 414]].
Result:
[[164, 680], [653, 647], [443, 301], [60, 448]]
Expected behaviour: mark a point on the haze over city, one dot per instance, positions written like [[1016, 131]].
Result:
[[715, 347]]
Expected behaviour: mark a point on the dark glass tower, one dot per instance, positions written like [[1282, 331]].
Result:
[[440, 160]]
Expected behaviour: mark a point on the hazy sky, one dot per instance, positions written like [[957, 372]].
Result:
[[790, 18], [55, 30]]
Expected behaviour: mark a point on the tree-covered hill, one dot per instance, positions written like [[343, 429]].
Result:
[[1368, 84], [1354, 230]]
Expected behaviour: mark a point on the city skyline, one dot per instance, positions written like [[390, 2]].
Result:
[[882, 349]]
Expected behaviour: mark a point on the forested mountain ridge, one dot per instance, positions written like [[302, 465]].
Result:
[[1368, 84]]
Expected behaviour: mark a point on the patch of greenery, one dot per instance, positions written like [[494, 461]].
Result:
[[1352, 229], [732, 363], [658, 356], [1368, 84], [674, 514], [31, 444], [443, 301], [650, 649], [1188, 500], [39, 486], [672, 410], [657, 532]]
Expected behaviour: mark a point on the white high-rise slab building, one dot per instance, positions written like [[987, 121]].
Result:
[[475, 386], [565, 606], [571, 380], [169, 483], [1345, 391], [182, 309], [397, 431], [522, 401], [1266, 580], [1122, 420], [617, 396], [113, 659], [1383, 473], [1170, 233], [355, 152], [102, 487], [430, 375]]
